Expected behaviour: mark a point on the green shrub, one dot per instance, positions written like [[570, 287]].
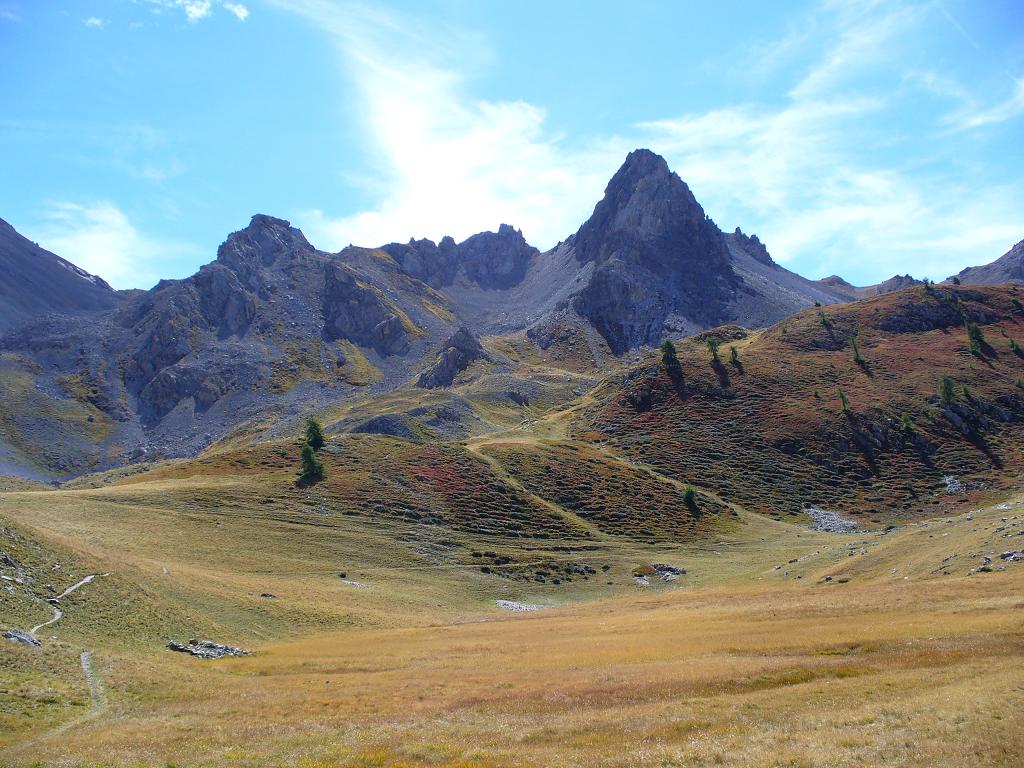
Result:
[[947, 389], [668, 353], [690, 496], [844, 403], [712, 343], [975, 337], [734, 356], [314, 434], [312, 467]]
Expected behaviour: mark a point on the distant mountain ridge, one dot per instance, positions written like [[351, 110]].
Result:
[[1008, 268], [275, 327]]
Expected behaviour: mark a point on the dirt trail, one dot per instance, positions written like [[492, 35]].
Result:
[[504, 474], [57, 612]]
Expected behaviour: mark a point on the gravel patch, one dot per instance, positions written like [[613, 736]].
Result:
[[512, 605], [832, 522]]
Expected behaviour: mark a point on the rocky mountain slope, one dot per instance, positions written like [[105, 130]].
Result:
[[36, 282], [275, 328], [1008, 268]]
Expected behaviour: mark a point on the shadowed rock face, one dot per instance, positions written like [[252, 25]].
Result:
[[457, 354], [491, 260], [655, 253], [359, 314], [1008, 268], [35, 282], [752, 246]]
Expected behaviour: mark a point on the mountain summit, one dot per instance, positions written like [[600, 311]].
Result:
[[656, 254]]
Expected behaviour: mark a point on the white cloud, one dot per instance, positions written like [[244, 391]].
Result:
[[975, 116], [238, 9], [95, 22], [450, 164], [804, 174], [100, 238], [196, 9]]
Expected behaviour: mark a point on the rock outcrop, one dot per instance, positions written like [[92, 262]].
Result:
[[490, 260], [457, 354], [360, 314], [849, 292]]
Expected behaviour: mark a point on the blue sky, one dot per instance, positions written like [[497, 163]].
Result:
[[855, 137]]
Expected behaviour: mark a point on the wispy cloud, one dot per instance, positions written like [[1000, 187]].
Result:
[[805, 176], [95, 22], [99, 237], [240, 11], [804, 173], [450, 163], [973, 115], [197, 10]]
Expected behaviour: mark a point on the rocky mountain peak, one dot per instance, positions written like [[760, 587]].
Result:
[[260, 244], [656, 254], [752, 246], [643, 201], [1008, 268]]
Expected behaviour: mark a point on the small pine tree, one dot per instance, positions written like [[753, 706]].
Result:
[[689, 496], [907, 423], [1014, 347], [668, 353], [712, 343], [956, 280], [825, 322], [844, 403], [947, 389], [312, 467], [734, 356], [856, 350], [966, 392], [975, 337], [314, 434]]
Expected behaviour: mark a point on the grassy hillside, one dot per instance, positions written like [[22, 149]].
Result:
[[780, 645], [770, 430], [674, 628]]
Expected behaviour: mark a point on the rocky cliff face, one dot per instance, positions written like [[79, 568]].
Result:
[[1008, 268], [457, 354], [655, 253], [490, 260]]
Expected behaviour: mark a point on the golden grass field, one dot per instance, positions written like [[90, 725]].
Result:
[[739, 662], [369, 599]]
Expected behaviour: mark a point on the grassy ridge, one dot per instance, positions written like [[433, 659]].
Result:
[[771, 431]]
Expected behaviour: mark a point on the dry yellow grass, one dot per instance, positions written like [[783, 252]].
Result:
[[748, 660], [921, 673]]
